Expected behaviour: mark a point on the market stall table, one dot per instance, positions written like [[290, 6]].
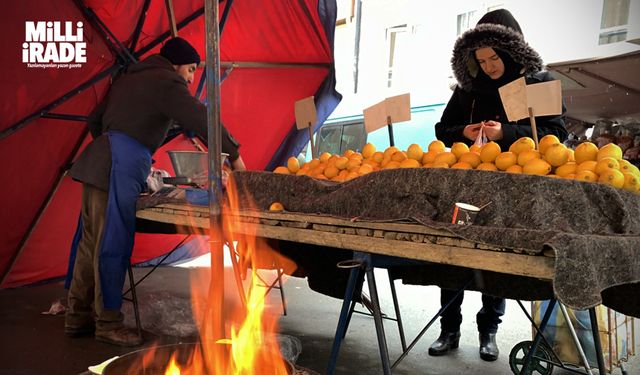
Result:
[[539, 238]]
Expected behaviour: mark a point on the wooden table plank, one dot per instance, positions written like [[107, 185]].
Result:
[[418, 242]]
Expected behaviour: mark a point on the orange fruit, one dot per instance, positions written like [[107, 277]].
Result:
[[353, 164], [391, 165], [556, 154], [589, 165], [631, 182], [489, 152], [459, 148], [522, 144], [566, 169], [341, 162], [410, 163], [377, 157], [625, 166], [364, 169], [293, 164], [472, 158], [527, 155], [325, 156], [461, 165], [281, 170], [399, 156], [447, 157], [505, 160], [276, 206], [610, 150], [390, 151], [475, 148], [612, 177], [415, 152], [368, 150], [586, 151], [606, 163], [440, 164], [331, 171], [586, 175], [429, 156], [547, 141], [437, 146], [514, 169], [537, 167], [487, 167]]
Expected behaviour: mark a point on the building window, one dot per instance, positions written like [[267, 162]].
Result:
[[346, 12], [466, 21], [615, 19], [398, 45]]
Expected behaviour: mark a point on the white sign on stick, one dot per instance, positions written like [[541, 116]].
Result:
[[544, 98], [391, 110], [399, 108], [306, 114], [375, 117]]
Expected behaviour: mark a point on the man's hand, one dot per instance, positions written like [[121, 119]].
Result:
[[492, 130], [471, 131]]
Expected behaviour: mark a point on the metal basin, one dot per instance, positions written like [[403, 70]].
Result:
[[134, 363], [191, 164]]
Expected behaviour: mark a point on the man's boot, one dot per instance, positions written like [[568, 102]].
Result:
[[488, 347], [446, 341]]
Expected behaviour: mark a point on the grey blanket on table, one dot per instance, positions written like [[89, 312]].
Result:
[[593, 229]]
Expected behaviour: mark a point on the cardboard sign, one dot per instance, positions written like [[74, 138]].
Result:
[[514, 99], [391, 110], [375, 117], [306, 114], [544, 98], [399, 108]]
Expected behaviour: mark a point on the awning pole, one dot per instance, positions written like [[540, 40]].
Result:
[[212, 70]]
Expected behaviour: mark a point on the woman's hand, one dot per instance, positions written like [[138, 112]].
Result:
[[471, 131], [492, 130]]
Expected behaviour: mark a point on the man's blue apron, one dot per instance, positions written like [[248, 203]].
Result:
[[130, 165]]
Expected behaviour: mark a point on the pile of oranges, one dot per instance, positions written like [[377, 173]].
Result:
[[552, 159]]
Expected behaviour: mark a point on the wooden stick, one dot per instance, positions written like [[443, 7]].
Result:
[[313, 149], [534, 129], [390, 128], [172, 18]]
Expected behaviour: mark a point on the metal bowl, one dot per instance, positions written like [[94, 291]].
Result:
[[191, 164], [153, 361]]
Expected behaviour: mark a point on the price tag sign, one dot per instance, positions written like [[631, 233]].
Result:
[[399, 108], [389, 111], [306, 115], [544, 98]]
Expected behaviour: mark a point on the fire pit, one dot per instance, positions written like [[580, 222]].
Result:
[[154, 361]]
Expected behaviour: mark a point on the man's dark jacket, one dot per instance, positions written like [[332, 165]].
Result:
[[143, 105]]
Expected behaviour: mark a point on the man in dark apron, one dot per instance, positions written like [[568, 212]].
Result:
[[127, 127]]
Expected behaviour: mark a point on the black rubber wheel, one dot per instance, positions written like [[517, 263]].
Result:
[[539, 362]]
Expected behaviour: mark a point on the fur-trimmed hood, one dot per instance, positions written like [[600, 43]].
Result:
[[506, 39]]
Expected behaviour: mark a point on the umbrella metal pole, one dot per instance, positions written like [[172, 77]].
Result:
[[212, 70]]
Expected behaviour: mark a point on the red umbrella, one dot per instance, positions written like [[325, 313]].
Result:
[[271, 56]]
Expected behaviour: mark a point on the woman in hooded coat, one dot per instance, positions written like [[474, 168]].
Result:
[[475, 101], [485, 58]]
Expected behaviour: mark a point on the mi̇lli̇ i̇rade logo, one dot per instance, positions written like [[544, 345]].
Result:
[[53, 44]]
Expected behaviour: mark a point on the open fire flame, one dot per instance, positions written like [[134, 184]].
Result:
[[249, 345]]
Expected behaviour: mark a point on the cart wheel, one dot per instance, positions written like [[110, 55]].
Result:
[[539, 363]]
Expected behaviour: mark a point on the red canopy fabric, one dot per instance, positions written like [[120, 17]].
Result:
[[294, 38]]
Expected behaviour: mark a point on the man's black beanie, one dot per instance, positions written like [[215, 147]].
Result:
[[179, 52]]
